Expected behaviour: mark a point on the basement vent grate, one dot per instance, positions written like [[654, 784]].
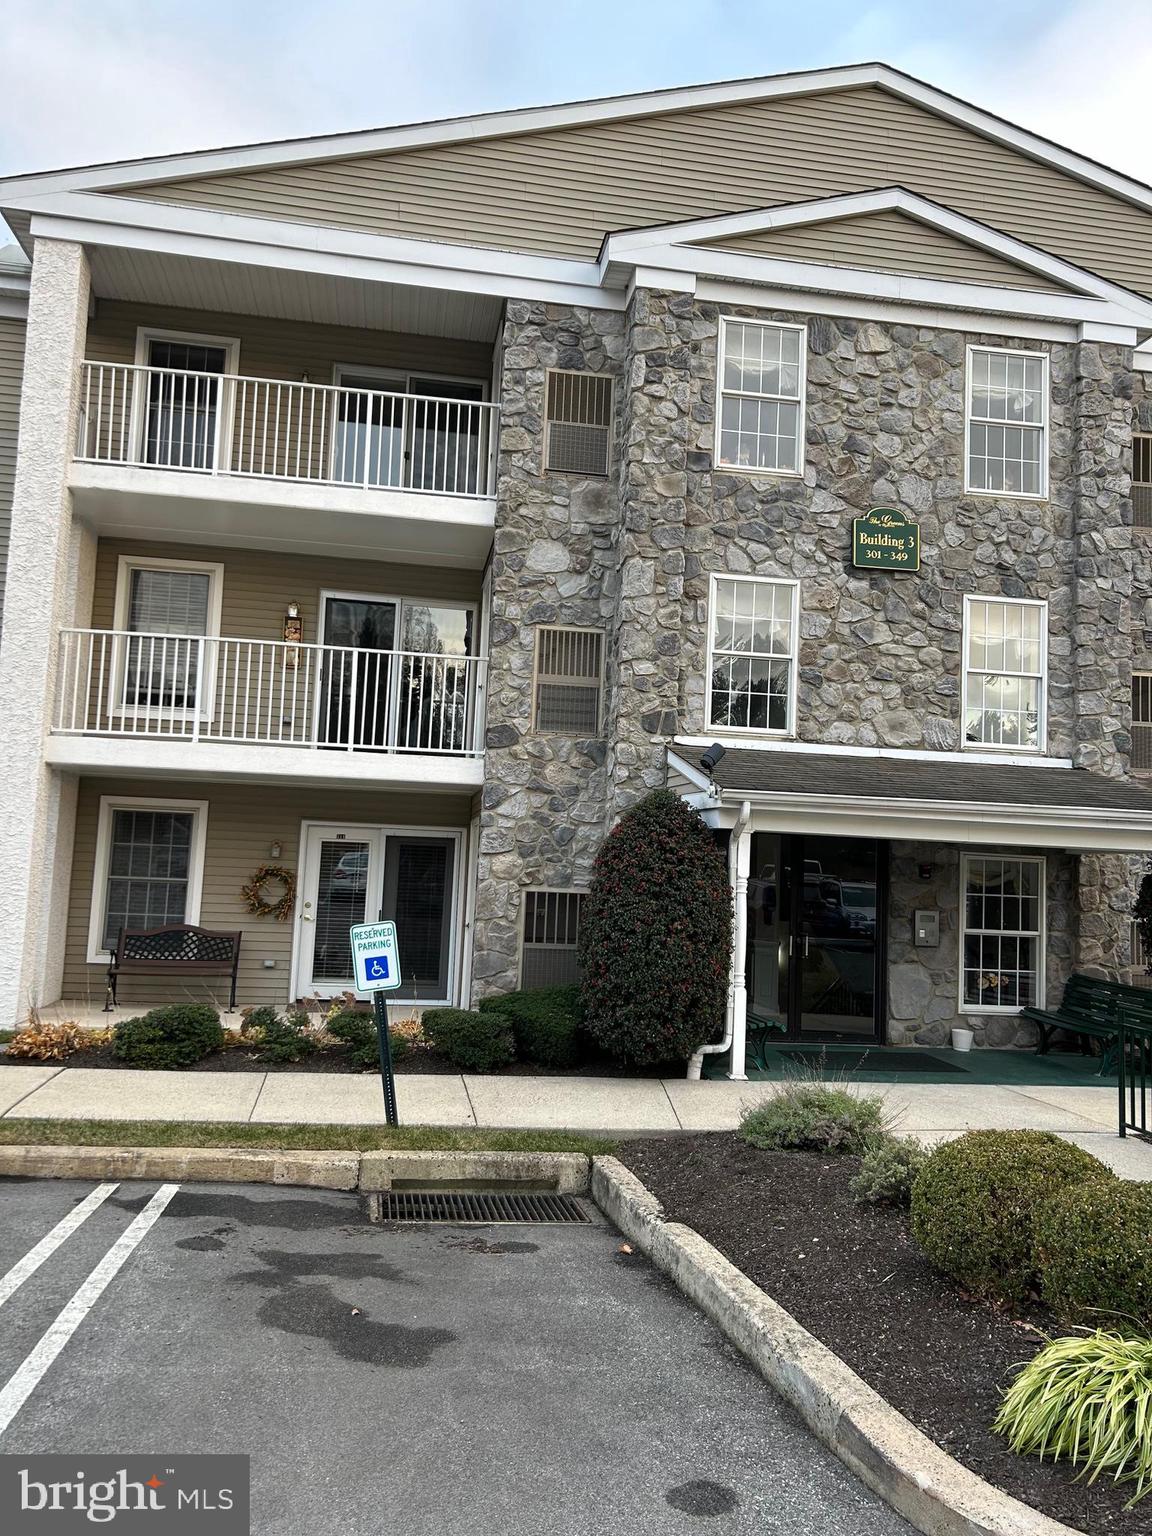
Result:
[[463, 1207]]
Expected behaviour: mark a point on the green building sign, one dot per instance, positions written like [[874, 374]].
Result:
[[886, 539]]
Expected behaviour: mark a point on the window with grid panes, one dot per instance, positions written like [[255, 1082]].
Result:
[[1142, 721], [1005, 662], [1007, 425], [569, 681], [550, 954], [753, 653], [149, 860], [1142, 479], [761, 388], [1002, 943]]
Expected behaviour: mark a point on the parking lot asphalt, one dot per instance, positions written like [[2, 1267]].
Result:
[[399, 1381]]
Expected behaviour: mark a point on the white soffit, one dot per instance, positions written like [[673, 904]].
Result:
[[278, 293]]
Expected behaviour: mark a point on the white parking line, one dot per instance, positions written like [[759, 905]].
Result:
[[23, 1382], [48, 1244]]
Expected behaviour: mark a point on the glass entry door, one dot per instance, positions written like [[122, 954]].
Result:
[[365, 874], [815, 937], [355, 691]]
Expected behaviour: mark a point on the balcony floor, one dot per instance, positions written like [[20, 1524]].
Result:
[[414, 527], [149, 757]]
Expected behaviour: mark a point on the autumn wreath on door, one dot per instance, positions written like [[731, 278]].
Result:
[[260, 893]]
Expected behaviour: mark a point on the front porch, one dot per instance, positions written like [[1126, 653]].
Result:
[[151, 854]]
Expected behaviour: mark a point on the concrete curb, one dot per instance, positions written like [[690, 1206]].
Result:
[[566, 1172], [898, 1461]]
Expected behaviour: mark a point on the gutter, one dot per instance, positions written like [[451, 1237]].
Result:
[[696, 1061]]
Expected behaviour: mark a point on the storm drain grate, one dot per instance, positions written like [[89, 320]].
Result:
[[447, 1205]]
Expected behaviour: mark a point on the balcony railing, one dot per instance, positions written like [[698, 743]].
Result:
[[267, 693], [273, 429]]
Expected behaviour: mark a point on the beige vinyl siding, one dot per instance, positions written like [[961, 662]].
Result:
[[559, 191], [287, 349], [259, 584], [888, 242], [11, 374], [243, 821]]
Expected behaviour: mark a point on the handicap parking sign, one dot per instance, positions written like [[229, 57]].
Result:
[[375, 957]]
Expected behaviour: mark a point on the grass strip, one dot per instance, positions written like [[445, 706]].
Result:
[[291, 1138]]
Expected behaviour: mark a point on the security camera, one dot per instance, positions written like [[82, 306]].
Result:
[[710, 758]]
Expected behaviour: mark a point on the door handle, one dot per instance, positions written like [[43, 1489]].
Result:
[[305, 918]]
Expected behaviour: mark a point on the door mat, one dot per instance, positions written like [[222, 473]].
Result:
[[878, 1059]]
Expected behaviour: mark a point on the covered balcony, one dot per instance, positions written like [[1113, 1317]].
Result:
[[168, 703], [153, 439]]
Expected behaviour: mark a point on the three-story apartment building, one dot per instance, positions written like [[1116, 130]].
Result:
[[394, 509]]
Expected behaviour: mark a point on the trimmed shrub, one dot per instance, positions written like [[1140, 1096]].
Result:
[[168, 1038], [356, 1031], [472, 1041], [814, 1116], [888, 1170], [1087, 1400], [548, 1023], [1094, 1251], [279, 1038], [656, 935], [975, 1200]]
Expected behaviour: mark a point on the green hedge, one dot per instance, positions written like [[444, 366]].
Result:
[[472, 1041], [547, 1022], [974, 1205], [356, 1030], [169, 1038], [1094, 1251]]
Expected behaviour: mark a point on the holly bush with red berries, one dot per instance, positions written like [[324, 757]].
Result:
[[656, 935]]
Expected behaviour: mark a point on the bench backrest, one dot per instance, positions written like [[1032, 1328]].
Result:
[[181, 947], [1100, 1001]]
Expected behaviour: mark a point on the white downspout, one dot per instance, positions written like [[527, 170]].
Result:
[[736, 1013]]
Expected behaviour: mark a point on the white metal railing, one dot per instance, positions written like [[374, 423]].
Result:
[[274, 429], [267, 692]]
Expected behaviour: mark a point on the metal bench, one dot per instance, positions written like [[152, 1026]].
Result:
[[184, 951], [1093, 1008]]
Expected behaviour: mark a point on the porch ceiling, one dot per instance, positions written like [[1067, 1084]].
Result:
[[185, 282], [871, 795]]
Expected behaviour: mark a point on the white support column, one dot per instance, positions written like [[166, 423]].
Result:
[[49, 586], [743, 860]]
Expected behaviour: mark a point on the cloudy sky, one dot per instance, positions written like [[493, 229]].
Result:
[[89, 80]]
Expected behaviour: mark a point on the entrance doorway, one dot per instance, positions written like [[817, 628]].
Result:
[[366, 874], [816, 924]]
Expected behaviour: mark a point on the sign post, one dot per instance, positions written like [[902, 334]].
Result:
[[376, 959]]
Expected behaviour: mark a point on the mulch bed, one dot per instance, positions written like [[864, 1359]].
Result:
[[240, 1060], [854, 1276]]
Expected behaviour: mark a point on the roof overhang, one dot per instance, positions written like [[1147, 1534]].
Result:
[[961, 822], [126, 174]]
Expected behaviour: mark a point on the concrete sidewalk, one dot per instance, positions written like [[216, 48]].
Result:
[[613, 1105]]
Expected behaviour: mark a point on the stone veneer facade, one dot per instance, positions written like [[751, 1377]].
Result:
[[880, 660]]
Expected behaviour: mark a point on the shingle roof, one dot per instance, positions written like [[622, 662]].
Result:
[[877, 778]]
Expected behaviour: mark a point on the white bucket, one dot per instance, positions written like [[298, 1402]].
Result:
[[962, 1039]]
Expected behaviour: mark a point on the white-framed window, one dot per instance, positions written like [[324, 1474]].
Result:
[[567, 694], [578, 422], [1002, 935], [1142, 722], [162, 608], [760, 393], [752, 654], [550, 945], [1006, 421], [149, 868], [1142, 479], [181, 418], [1005, 673]]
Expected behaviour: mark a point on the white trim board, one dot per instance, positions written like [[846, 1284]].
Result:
[[288, 152]]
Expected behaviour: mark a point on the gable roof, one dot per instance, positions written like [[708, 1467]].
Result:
[[553, 180]]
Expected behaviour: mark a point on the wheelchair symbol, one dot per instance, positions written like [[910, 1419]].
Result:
[[378, 969]]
